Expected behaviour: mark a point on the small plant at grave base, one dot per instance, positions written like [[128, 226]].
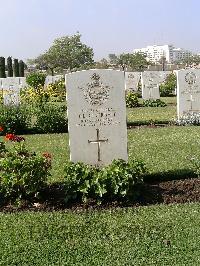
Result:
[[195, 161], [22, 173], [189, 119], [154, 103], [117, 181], [132, 100]]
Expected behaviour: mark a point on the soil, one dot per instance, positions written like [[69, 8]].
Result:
[[168, 192]]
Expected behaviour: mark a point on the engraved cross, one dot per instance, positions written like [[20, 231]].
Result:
[[98, 141]]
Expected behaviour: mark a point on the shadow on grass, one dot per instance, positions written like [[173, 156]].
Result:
[[170, 175]]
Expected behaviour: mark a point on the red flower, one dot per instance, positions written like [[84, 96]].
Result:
[[47, 155], [13, 137], [10, 137], [1, 128]]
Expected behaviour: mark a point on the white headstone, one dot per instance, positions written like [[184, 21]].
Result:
[[11, 91], [132, 80], [96, 116], [150, 85], [22, 82], [52, 79], [188, 91]]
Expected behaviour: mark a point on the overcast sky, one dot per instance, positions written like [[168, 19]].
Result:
[[28, 27]]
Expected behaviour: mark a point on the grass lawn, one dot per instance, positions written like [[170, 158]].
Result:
[[162, 149], [145, 115], [142, 115], [154, 235]]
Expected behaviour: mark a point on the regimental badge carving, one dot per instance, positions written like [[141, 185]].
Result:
[[96, 93], [190, 78], [151, 77], [130, 76]]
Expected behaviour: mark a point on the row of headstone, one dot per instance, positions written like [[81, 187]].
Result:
[[97, 110], [150, 81]]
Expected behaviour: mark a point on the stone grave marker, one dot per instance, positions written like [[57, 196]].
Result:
[[150, 83], [96, 116], [132, 80], [22, 82], [52, 79], [188, 91], [11, 91]]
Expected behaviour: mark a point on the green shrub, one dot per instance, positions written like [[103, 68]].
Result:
[[132, 100], [36, 79], [16, 119], [118, 180], [22, 173], [169, 85], [51, 118], [195, 161], [154, 103]]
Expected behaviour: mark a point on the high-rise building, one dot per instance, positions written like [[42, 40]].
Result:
[[155, 53]]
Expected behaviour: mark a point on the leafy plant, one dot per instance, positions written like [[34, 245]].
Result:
[[51, 118], [154, 103], [22, 173], [132, 100], [118, 180], [15, 119], [36, 80], [169, 85]]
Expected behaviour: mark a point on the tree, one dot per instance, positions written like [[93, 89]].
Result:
[[2, 68], [67, 52], [136, 61], [9, 66], [113, 59], [16, 68], [21, 68], [169, 85]]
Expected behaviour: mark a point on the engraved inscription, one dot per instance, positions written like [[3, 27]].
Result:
[[97, 117]]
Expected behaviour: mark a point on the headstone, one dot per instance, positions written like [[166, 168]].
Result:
[[96, 116], [150, 85], [22, 82], [188, 91], [52, 79], [11, 91], [132, 80]]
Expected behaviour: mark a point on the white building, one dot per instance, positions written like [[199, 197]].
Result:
[[156, 52]]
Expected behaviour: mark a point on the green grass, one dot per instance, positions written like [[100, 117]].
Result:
[[156, 235], [162, 149], [145, 115]]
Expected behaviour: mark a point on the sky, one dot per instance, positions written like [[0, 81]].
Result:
[[28, 27]]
